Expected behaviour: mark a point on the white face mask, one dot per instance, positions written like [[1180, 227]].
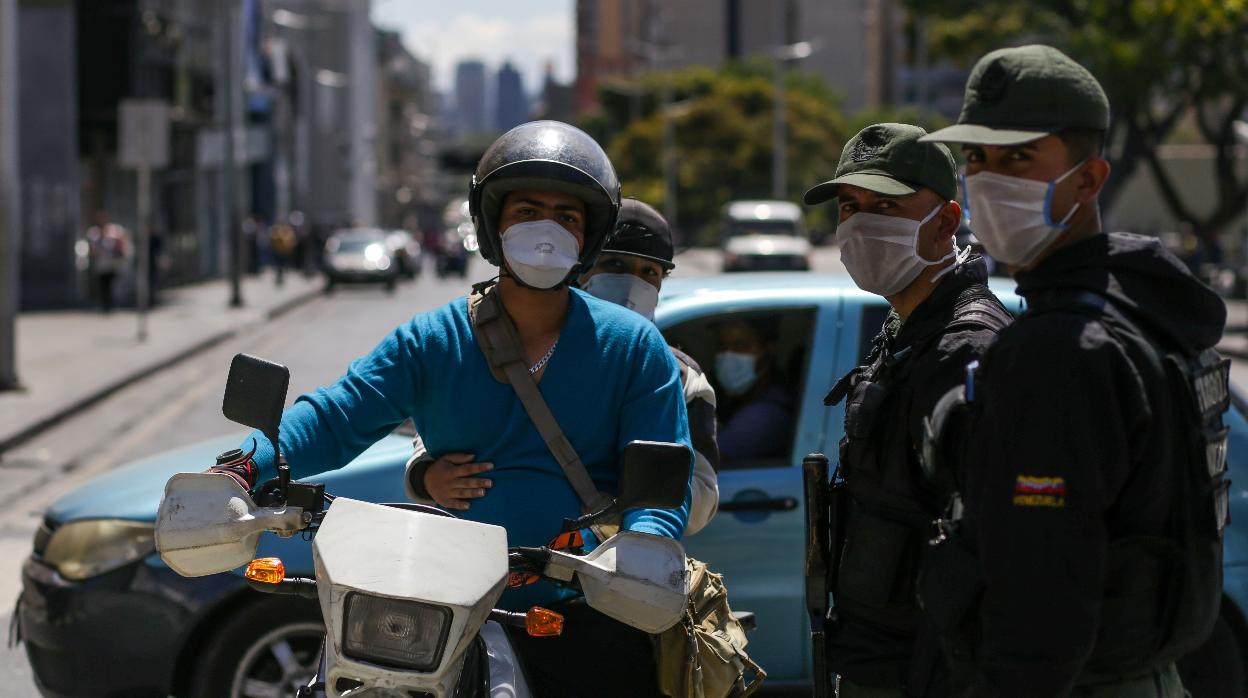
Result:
[[879, 252], [540, 253], [626, 290], [735, 371], [1013, 216]]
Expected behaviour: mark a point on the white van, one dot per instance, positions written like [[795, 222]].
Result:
[[764, 235]]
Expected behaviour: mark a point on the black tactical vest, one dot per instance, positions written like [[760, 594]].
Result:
[[884, 503]]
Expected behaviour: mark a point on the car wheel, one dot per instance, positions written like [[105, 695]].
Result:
[[329, 286], [270, 648], [1216, 668]]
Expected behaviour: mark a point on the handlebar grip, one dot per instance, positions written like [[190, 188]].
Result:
[[290, 586]]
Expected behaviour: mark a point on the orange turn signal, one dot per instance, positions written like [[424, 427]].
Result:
[[267, 570], [541, 622]]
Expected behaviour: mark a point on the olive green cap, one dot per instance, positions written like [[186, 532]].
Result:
[[1018, 95], [891, 159]]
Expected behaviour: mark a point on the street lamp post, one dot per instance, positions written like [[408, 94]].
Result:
[[229, 84], [10, 237], [779, 137]]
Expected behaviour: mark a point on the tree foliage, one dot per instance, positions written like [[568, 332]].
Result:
[[1161, 62], [723, 138]]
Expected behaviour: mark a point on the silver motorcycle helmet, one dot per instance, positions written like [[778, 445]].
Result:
[[551, 156]]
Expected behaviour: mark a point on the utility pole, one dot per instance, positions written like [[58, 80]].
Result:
[[783, 53], [229, 85], [659, 50], [10, 231]]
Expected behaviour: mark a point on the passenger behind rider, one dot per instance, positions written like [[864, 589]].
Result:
[[757, 416], [630, 272]]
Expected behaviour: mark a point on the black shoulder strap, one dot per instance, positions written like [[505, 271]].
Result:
[[504, 352]]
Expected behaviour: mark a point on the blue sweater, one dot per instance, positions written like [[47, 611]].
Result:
[[611, 380]]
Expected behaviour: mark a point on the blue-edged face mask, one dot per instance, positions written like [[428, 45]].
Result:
[[735, 371], [1013, 216]]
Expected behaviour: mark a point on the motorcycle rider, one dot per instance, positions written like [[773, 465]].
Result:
[[629, 272], [544, 199], [898, 216], [1088, 557]]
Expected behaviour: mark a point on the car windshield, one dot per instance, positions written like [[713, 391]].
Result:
[[762, 227], [355, 244]]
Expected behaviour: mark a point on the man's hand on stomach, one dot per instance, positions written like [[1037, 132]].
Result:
[[451, 482]]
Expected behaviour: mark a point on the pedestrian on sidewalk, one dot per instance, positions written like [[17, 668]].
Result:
[[282, 246], [109, 250]]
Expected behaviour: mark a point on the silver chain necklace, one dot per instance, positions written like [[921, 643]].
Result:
[[545, 358]]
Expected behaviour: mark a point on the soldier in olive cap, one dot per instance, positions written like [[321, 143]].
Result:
[[1087, 555], [898, 215]]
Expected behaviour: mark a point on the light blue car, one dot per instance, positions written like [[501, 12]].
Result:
[[179, 631]]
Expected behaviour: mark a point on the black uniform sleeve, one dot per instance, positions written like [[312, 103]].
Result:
[[1062, 406]]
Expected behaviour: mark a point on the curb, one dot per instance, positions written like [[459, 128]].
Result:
[[10, 442]]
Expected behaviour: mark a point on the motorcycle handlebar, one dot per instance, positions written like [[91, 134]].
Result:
[[290, 586]]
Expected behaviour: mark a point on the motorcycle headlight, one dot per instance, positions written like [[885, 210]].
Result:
[[84, 549], [394, 632]]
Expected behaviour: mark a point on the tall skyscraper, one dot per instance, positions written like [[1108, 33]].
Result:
[[511, 104], [470, 105]]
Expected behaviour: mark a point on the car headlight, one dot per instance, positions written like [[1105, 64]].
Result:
[[394, 632], [84, 549]]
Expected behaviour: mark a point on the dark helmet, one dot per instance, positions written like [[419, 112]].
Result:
[[551, 156], [643, 232]]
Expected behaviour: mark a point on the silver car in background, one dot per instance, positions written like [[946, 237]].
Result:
[[360, 255]]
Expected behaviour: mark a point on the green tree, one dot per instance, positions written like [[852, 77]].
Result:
[[723, 138], [1162, 62]]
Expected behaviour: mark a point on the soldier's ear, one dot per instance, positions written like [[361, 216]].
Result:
[[950, 218], [1091, 179]]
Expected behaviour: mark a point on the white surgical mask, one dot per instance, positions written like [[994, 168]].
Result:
[[1012, 216], [735, 371], [540, 253], [879, 251], [626, 290]]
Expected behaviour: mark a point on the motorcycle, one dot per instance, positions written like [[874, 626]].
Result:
[[407, 591]]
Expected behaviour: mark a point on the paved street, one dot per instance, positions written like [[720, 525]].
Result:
[[182, 404]]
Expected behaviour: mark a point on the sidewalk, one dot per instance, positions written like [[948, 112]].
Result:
[[67, 360]]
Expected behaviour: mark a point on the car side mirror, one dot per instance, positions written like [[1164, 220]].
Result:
[[654, 474], [255, 393]]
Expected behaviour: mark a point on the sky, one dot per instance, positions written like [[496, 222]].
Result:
[[528, 32]]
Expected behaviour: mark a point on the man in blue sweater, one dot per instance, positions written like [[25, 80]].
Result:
[[544, 199]]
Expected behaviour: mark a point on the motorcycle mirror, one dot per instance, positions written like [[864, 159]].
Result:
[[207, 524], [655, 475], [255, 392]]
